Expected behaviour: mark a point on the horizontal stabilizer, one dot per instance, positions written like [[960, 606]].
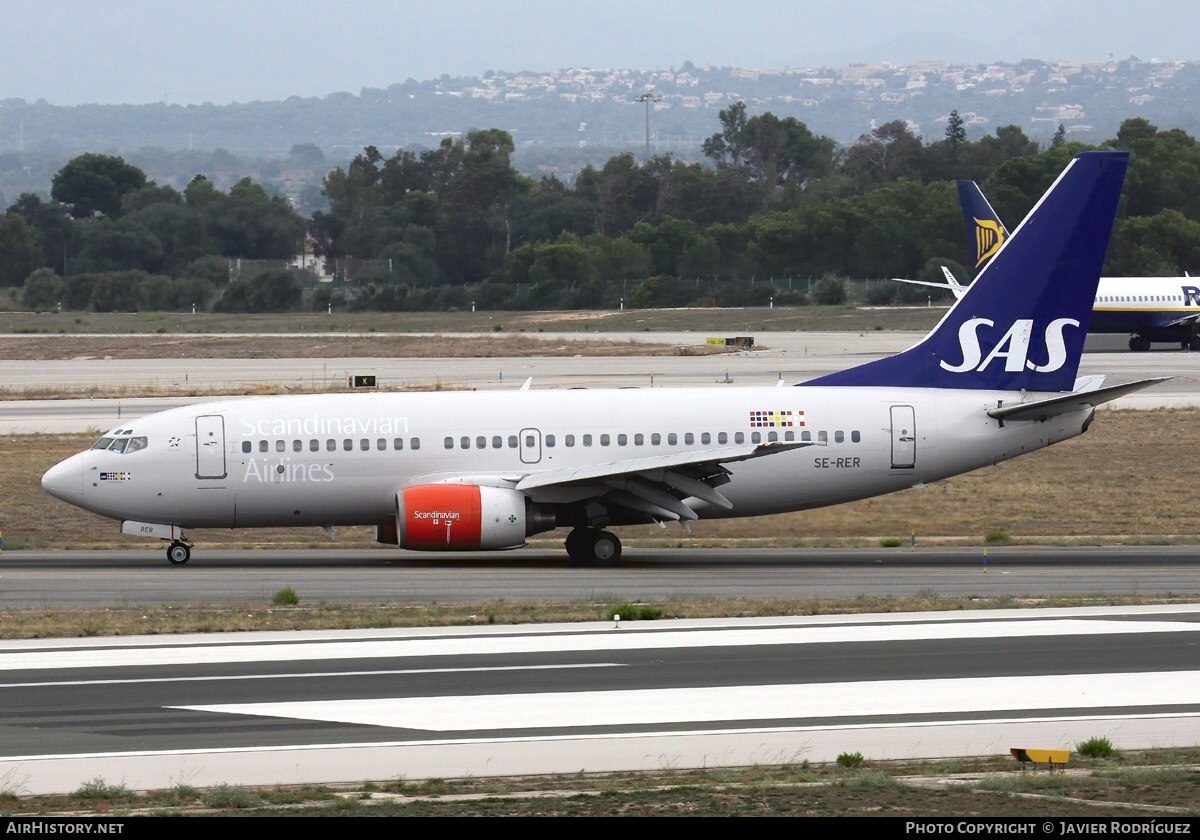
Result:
[[1045, 409]]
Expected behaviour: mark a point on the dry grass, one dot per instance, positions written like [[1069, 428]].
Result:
[[323, 346], [721, 321], [1126, 480], [81, 622], [1155, 788]]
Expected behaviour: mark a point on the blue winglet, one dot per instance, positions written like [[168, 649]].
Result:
[[1022, 323]]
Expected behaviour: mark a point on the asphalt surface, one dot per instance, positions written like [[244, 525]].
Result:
[[345, 706], [371, 576]]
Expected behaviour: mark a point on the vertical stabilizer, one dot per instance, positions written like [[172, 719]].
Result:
[[985, 232], [1021, 324]]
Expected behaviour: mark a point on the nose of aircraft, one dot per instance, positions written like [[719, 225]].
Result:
[[65, 480]]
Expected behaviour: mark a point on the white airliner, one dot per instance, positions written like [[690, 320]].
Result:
[[484, 470], [1149, 309]]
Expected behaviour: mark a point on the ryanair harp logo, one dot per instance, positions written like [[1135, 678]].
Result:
[[989, 236]]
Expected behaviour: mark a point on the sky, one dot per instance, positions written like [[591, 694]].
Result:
[[72, 52]]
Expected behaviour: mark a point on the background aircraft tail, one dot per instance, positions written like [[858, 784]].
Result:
[[985, 232], [1021, 324]]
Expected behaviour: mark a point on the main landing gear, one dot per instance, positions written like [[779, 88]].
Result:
[[1139, 344], [179, 552], [589, 548]]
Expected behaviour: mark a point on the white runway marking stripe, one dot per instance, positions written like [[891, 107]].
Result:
[[607, 641], [738, 703], [312, 675]]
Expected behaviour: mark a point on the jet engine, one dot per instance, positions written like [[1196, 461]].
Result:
[[465, 517]]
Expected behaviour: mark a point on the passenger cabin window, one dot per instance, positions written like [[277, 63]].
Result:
[[569, 440], [465, 442], [449, 443], [839, 436], [263, 446], [348, 445], [739, 437], [481, 442], [705, 438], [497, 442], [331, 445], [689, 439], [280, 446], [656, 439], [622, 440], [245, 446], [638, 440], [398, 444], [550, 441], [855, 437], [722, 437], [604, 440], [314, 445], [297, 446], [587, 440], [415, 443]]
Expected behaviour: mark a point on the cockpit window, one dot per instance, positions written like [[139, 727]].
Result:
[[121, 445]]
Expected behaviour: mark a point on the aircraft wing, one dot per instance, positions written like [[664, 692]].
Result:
[[657, 485], [634, 466], [1045, 409]]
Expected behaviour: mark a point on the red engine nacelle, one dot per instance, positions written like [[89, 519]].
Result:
[[460, 517]]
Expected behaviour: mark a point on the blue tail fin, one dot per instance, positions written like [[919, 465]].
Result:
[[985, 232], [1021, 324]]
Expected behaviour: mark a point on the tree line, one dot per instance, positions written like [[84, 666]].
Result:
[[457, 225]]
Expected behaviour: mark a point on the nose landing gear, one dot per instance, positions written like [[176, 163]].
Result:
[[179, 552]]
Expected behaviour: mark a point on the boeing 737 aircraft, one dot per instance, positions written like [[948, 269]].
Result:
[[484, 470], [1149, 309]]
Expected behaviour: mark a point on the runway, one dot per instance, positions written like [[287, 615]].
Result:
[[373, 576], [343, 706]]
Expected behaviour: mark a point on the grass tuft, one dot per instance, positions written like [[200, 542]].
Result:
[[997, 536], [230, 796], [285, 597], [1096, 748], [634, 612], [98, 790]]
